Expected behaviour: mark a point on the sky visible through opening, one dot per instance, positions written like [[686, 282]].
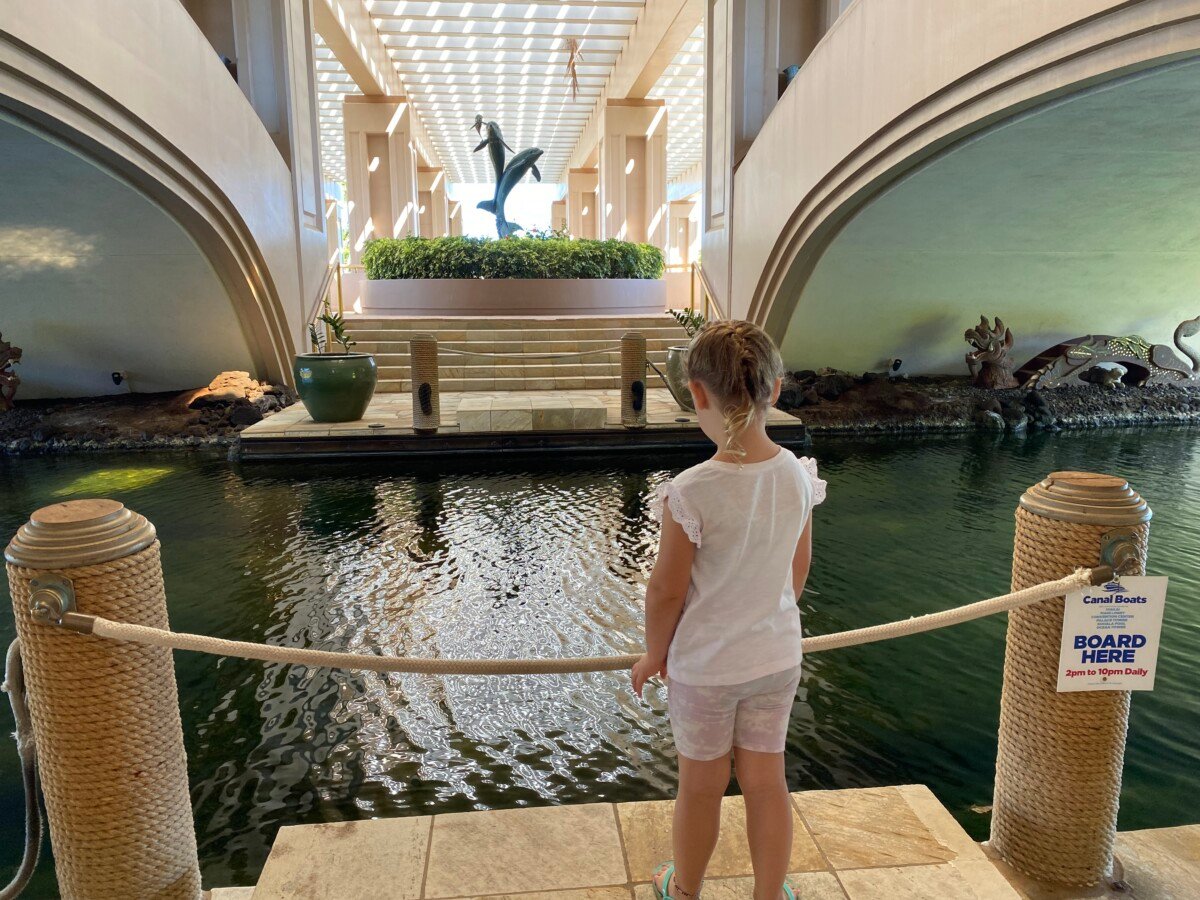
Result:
[[528, 205]]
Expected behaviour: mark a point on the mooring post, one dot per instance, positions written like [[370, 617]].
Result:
[[633, 380], [105, 715], [1059, 761], [426, 398]]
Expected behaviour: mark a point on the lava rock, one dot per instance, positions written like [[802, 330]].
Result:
[[832, 385], [989, 421], [245, 415]]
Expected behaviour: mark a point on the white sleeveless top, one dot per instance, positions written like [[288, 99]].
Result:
[[740, 620]]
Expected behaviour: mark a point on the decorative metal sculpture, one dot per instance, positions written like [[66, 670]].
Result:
[[8, 378], [1145, 363], [574, 58], [508, 176], [989, 363]]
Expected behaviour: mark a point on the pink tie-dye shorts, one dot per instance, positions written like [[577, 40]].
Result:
[[709, 720]]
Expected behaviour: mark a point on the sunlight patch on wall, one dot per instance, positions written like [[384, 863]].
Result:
[[38, 249]]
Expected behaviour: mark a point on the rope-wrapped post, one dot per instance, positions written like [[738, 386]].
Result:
[[1059, 760], [633, 380], [426, 398], [105, 715]]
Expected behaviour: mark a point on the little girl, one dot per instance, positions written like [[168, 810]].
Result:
[[722, 620]]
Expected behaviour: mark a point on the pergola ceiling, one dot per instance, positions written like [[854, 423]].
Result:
[[333, 83], [507, 62], [682, 87]]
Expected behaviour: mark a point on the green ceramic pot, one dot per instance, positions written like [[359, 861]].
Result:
[[335, 387], [677, 378]]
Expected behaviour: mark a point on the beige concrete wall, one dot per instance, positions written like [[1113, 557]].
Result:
[[94, 278], [514, 297]]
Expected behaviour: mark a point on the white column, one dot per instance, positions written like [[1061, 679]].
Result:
[[381, 170], [633, 170], [679, 244], [435, 219], [582, 202]]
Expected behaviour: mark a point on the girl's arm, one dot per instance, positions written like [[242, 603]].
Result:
[[664, 598], [802, 560]]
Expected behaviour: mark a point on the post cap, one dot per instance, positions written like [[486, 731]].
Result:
[[1087, 498], [79, 533]]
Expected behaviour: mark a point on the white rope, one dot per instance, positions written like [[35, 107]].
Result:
[[14, 686], [140, 634]]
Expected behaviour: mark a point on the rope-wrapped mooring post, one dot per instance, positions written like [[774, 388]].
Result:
[[1059, 760], [427, 408], [105, 715], [633, 380]]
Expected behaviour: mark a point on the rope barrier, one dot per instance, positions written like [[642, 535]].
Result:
[[572, 354], [159, 637], [14, 686]]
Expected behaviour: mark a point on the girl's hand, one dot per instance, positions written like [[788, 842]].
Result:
[[645, 669]]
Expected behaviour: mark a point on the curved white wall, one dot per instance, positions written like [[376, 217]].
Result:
[[135, 86], [94, 278], [1078, 217], [894, 83]]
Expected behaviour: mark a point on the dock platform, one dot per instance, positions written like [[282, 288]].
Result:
[[386, 429], [884, 843]]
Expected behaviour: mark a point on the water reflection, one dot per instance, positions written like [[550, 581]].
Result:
[[460, 560]]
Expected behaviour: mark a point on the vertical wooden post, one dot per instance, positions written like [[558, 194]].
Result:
[[105, 715], [1059, 760]]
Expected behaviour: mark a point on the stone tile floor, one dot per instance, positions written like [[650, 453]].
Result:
[[869, 844], [1158, 864], [391, 414]]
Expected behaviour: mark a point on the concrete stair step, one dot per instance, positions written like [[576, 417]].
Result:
[[504, 359], [459, 385], [675, 336], [532, 322]]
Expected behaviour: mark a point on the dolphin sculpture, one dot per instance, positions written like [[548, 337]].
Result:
[[523, 162], [494, 141]]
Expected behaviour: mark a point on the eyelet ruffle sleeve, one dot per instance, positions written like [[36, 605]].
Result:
[[819, 485], [669, 493]]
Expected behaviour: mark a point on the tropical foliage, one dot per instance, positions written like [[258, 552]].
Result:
[[549, 256], [691, 320]]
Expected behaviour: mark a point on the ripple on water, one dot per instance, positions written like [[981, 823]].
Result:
[[465, 561]]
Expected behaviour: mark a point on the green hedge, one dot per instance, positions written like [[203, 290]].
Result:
[[518, 257]]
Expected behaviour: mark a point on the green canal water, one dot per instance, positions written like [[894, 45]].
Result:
[[496, 558]]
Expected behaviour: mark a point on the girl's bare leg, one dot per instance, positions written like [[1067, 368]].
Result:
[[768, 819], [702, 784]]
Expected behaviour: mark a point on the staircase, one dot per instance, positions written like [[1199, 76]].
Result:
[[387, 338]]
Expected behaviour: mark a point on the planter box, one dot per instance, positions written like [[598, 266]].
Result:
[[514, 297]]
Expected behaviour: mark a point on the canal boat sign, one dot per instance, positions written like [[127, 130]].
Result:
[[1110, 636]]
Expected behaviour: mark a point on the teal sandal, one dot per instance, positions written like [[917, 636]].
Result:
[[787, 890], [667, 871]]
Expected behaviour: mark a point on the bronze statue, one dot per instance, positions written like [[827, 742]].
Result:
[[508, 176], [989, 363], [494, 141], [8, 378], [1145, 363]]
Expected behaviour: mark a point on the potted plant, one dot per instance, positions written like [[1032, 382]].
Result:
[[334, 387], [676, 374]]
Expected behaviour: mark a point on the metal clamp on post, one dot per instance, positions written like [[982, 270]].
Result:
[[52, 602], [1119, 549]]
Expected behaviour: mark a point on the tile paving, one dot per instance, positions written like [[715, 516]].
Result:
[[907, 846]]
